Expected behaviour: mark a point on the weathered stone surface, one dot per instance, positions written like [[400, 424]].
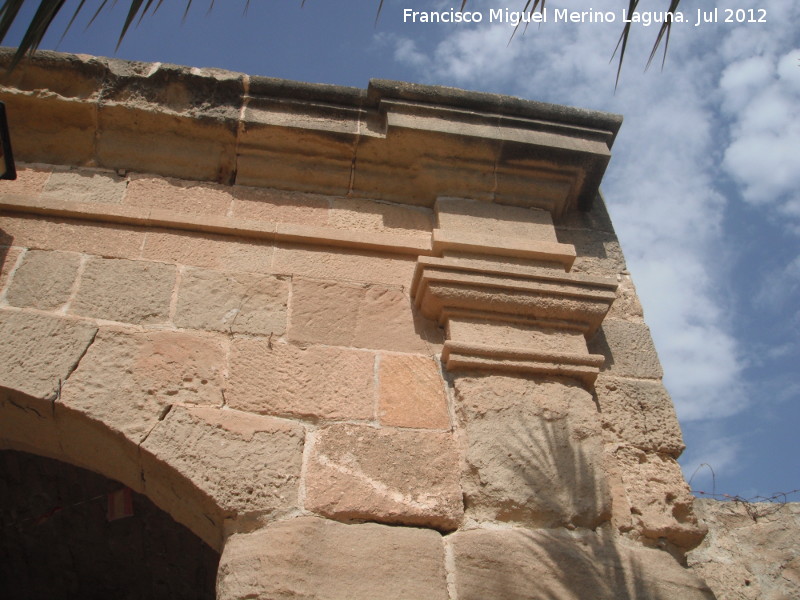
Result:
[[280, 206], [520, 564], [628, 349], [127, 379], [29, 182], [340, 314], [125, 290], [411, 392], [343, 264], [316, 382], [751, 550], [230, 464], [8, 262], [69, 235], [514, 334], [210, 251], [533, 452], [360, 213], [39, 352], [44, 279], [494, 220], [639, 413], [385, 475], [598, 253], [232, 302], [179, 195], [86, 185], [660, 501], [316, 558], [627, 306]]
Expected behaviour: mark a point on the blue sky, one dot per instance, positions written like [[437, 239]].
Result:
[[703, 187]]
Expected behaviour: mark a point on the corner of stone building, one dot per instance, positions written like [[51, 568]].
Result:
[[363, 343]]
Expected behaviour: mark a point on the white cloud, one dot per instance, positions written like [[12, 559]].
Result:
[[660, 186]]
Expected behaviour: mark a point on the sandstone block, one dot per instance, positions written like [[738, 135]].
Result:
[[627, 306], [127, 379], [73, 236], [125, 290], [360, 213], [39, 352], [627, 348], [639, 413], [231, 302], [340, 314], [316, 382], [207, 250], [494, 220], [598, 253], [86, 185], [519, 564], [411, 392], [98, 239], [386, 475], [344, 264], [534, 452], [29, 182], [44, 279], [280, 206], [179, 195], [231, 464], [660, 500], [315, 558], [8, 261]]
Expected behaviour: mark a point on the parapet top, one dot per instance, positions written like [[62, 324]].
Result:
[[396, 141]]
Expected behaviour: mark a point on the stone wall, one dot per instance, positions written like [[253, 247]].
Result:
[[365, 344], [751, 550]]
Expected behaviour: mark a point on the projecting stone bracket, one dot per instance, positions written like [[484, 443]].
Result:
[[504, 295]]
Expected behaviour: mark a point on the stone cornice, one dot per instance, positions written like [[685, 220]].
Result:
[[394, 141]]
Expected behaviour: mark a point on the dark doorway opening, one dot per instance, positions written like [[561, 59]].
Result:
[[69, 533]]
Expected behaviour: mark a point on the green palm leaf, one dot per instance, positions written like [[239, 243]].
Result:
[[49, 9]]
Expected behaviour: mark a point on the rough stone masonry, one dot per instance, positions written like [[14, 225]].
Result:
[[371, 343]]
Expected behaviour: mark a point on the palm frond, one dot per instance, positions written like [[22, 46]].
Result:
[[49, 9]]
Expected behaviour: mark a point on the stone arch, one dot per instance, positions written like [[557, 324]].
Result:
[[69, 392]]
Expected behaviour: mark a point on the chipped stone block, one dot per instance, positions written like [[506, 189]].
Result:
[[85, 185], [627, 348], [44, 279], [317, 382], [386, 475], [125, 290], [232, 302], [533, 452], [659, 498], [39, 352], [524, 564], [315, 558], [229, 464], [128, 379], [339, 314], [639, 413], [411, 392]]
